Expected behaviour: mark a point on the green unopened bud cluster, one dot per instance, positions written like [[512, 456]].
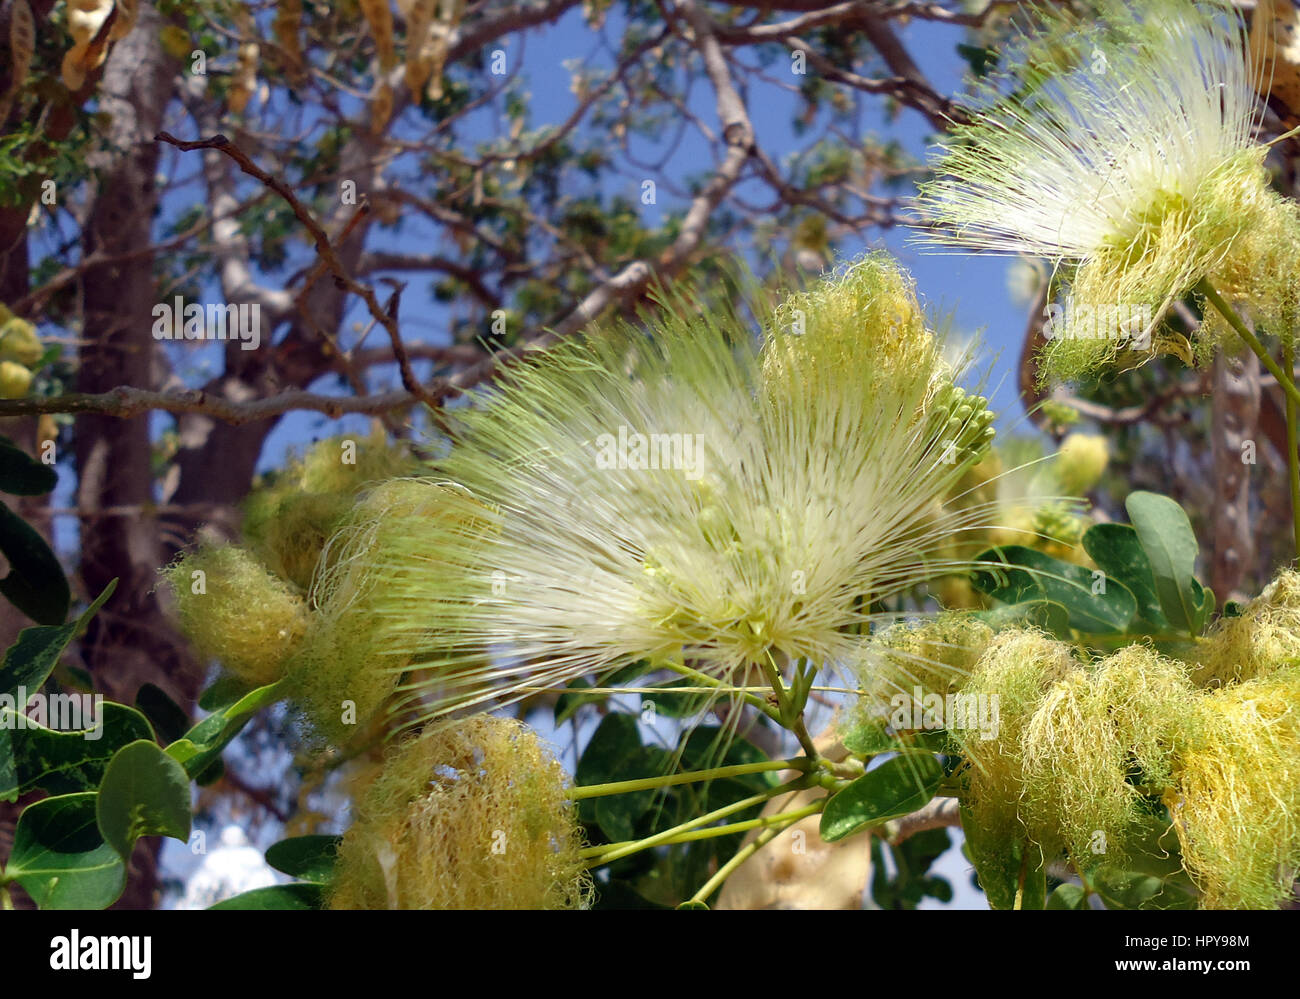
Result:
[[962, 425]]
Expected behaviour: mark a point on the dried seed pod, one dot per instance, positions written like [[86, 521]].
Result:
[[419, 22], [286, 28], [440, 43], [380, 18], [85, 18], [126, 15], [245, 79], [381, 107], [1275, 50], [22, 43]]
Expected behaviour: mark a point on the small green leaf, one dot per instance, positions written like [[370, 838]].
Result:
[[23, 475], [1068, 896], [60, 858], [31, 659], [225, 691], [1130, 890], [308, 858], [144, 793], [166, 716], [1015, 574], [1034, 893], [63, 762], [35, 584], [205, 741], [297, 895], [1045, 615], [998, 860], [1170, 544], [897, 787], [692, 904], [1118, 552], [872, 738], [1205, 604], [869, 739]]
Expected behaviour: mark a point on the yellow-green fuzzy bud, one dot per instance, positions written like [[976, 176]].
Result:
[[1081, 462], [15, 380], [936, 655], [1237, 803], [347, 464], [466, 817], [856, 330], [1101, 740], [1264, 638], [367, 613], [236, 612], [288, 521], [289, 532], [19, 342], [1018, 668]]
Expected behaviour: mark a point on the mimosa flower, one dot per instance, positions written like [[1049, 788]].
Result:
[[237, 612], [1133, 161], [688, 497], [468, 817], [1237, 803]]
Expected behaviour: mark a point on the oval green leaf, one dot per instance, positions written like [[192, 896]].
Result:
[[307, 858], [60, 858], [1170, 544], [63, 762], [1016, 574], [278, 897], [897, 787], [144, 793]]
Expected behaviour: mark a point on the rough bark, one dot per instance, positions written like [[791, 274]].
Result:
[[1235, 422]]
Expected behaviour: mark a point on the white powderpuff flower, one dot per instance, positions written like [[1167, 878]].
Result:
[[684, 495], [1129, 153]]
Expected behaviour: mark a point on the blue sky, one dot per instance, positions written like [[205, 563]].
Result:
[[972, 288]]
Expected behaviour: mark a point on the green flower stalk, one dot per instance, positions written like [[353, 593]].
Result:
[[691, 497], [1130, 157]]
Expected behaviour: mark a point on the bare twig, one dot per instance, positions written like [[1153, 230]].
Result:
[[938, 813]]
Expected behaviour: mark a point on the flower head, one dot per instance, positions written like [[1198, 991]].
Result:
[[235, 611], [1129, 155], [1263, 638], [468, 817], [689, 497], [1236, 805]]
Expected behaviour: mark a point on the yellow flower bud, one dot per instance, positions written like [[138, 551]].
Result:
[[19, 342], [15, 380]]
